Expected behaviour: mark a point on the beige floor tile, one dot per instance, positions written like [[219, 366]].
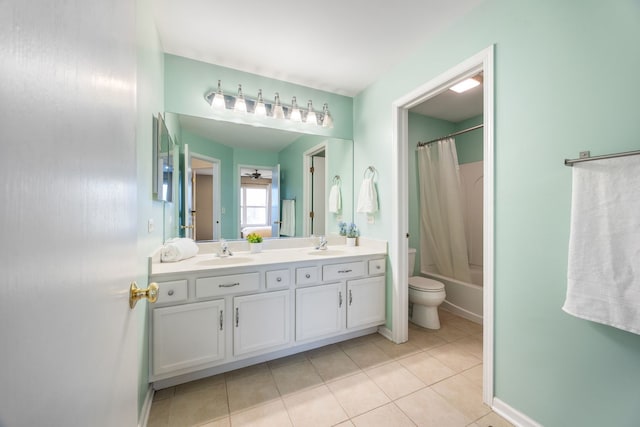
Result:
[[397, 351], [464, 395], [358, 394], [249, 391], [248, 371], [347, 423], [474, 374], [322, 351], [384, 416], [199, 385], [271, 414], [395, 380], [367, 355], [223, 422], [426, 368], [453, 357], [465, 325], [334, 364], [366, 339], [427, 408], [470, 345], [425, 340], [493, 420], [295, 377], [159, 414], [165, 393], [450, 333], [199, 407], [314, 407], [294, 358]]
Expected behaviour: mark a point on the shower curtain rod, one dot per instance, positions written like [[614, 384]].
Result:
[[422, 144], [585, 156]]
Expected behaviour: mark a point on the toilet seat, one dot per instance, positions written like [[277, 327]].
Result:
[[423, 284]]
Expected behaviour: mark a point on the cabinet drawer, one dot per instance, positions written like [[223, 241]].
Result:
[[223, 285], [277, 279], [343, 271], [377, 266], [306, 275], [175, 291]]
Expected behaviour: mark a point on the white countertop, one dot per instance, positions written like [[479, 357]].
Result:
[[210, 261]]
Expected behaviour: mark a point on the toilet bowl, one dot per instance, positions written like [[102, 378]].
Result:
[[425, 295]]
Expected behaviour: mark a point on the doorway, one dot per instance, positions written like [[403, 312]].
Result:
[[315, 178], [481, 62], [202, 197]]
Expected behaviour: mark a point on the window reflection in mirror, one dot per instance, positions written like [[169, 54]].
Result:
[[241, 149]]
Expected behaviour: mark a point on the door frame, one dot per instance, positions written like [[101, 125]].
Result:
[[216, 190], [398, 251], [307, 192]]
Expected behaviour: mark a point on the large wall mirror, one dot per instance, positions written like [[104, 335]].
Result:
[[237, 178]]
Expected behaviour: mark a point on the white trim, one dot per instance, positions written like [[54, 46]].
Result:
[[515, 417], [146, 407], [215, 172], [306, 182], [398, 248]]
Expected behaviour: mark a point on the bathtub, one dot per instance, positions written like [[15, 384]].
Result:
[[463, 299]]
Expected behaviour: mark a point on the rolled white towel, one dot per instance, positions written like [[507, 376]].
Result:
[[178, 249]]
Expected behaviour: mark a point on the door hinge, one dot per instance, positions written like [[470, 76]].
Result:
[[312, 169], [311, 214]]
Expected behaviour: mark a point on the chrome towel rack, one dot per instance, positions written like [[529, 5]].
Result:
[[585, 156]]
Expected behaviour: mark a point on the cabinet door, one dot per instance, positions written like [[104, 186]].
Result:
[[261, 321], [319, 311], [366, 302], [189, 335]]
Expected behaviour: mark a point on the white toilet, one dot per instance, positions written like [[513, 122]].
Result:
[[425, 295]]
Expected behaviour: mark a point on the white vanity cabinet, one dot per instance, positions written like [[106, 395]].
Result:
[[261, 322], [213, 320], [187, 335]]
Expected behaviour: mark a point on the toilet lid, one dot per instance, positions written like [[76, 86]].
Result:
[[424, 284]]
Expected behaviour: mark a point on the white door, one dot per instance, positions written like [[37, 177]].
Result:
[[188, 213], [319, 177], [261, 321], [69, 342], [319, 311]]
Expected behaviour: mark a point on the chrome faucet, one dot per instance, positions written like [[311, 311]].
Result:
[[224, 249], [322, 244]]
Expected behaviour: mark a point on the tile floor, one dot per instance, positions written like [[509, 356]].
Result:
[[434, 379]]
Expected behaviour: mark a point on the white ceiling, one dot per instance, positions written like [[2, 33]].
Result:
[[333, 45]]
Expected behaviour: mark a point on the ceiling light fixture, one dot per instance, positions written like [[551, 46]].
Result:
[[465, 85], [259, 108]]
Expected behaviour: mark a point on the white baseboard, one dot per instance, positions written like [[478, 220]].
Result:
[[146, 408], [386, 332], [512, 415]]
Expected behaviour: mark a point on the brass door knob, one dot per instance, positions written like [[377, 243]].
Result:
[[135, 293]]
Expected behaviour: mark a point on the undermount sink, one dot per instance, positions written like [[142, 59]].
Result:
[[224, 261], [328, 252]]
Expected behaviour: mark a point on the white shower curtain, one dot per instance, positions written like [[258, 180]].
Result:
[[442, 234]]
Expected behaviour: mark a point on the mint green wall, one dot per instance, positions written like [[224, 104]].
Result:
[[562, 85], [469, 145], [149, 99], [187, 81]]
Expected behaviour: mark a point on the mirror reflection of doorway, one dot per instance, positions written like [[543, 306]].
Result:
[[315, 178], [202, 201]]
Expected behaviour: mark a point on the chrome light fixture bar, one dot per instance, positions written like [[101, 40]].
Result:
[[258, 107]]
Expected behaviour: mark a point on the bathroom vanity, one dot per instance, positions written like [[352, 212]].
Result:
[[217, 314]]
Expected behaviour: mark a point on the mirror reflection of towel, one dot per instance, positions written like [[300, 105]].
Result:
[[368, 197], [288, 222], [335, 199]]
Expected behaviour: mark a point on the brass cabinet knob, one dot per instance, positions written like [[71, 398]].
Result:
[[135, 293]]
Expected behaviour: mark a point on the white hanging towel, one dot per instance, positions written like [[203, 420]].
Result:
[[288, 224], [335, 199], [603, 278], [368, 197]]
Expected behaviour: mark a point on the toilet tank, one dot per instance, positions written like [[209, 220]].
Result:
[[412, 261]]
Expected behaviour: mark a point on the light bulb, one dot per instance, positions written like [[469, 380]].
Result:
[[218, 99], [295, 115], [278, 111], [327, 121], [312, 118], [240, 105], [260, 110]]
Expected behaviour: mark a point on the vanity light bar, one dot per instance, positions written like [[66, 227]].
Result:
[[242, 104]]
